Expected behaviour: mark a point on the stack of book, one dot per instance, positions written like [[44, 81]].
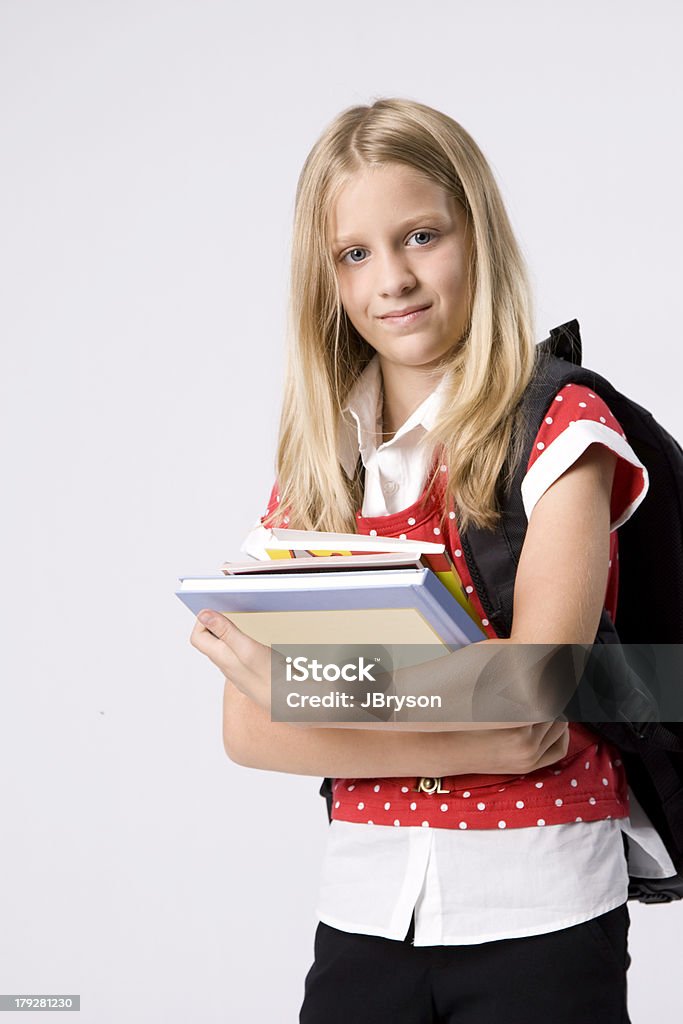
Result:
[[305, 587]]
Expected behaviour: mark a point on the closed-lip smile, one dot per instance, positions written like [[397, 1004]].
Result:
[[404, 312]]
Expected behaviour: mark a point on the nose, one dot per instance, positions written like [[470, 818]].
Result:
[[394, 273]]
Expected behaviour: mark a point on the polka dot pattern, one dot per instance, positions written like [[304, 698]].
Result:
[[548, 796], [589, 784]]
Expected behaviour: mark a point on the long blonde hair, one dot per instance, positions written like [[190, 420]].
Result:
[[479, 431]]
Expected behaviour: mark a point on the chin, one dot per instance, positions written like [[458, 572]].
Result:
[[408, 354]]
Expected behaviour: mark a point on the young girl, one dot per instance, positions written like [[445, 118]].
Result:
[[494, 887]]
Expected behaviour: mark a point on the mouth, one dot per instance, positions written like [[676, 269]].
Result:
[[407, 316]]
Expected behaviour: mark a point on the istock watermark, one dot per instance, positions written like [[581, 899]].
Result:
[[507, 682], [302, 669]]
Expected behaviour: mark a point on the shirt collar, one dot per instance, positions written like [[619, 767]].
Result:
[[360, 428]]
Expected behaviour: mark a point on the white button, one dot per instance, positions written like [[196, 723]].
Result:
[[390, 487]]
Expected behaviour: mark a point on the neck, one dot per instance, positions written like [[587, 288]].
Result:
[[404, 388]]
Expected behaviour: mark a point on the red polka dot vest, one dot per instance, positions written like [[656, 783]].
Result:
[[588, 784]]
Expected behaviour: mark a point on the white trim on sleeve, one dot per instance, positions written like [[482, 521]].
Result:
[[565, 449]]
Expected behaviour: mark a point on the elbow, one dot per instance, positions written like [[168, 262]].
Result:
[[234, 750]]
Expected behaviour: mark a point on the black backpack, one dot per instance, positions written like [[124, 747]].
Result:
[[652, 751]]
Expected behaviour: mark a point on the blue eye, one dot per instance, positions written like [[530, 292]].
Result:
[[343, 259], [358, 249], [415, 233]]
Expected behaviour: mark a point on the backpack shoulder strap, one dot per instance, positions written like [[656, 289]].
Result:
[[492, 556]]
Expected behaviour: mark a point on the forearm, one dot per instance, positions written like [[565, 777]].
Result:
[[252, 740], [494, 684]]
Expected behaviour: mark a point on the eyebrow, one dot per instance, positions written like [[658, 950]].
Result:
[[417, 218]]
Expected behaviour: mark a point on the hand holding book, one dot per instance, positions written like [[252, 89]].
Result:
[[478, 686]]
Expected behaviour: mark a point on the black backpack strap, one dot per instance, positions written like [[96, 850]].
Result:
[[326, 791], [492, 556], [565, 342]]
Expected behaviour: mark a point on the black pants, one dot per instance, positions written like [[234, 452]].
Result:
[[571, 976]]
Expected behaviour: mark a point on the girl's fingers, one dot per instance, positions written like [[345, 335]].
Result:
[[252, 654], [240, 659], [222, 655]]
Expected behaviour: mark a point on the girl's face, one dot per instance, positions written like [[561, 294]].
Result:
[[400, 241]]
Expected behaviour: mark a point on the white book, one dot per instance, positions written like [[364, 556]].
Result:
[[260, 540]]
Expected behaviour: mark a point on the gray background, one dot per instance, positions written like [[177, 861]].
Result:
[[150, 153]]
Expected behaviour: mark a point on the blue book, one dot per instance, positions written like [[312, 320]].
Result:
[[390, 605]]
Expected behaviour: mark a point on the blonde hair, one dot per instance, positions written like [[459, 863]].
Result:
[[479, 431]]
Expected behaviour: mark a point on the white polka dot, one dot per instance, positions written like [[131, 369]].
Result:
[[437, 530], [402, 536], [573, 782], [559, 802], [397, 822], [444, 468], [583, 405], [568, 385], [605, 782], [520, 803], [591, 395], [413, 806], [610, 564], [608, 816], [501, 824], [404, 789], [387, 806], [373, 533], [361, 805], [558, 398], [469, 589], [578, 819], [376, 788], [591, 800], [462, 824], [587, 765], [502, 789], [286, 519], [549, 419], [609, 763], [451, 515], [540, 446], [539, 785], [466, 793], [350, 788], [541, 821], [425, 824], [411, 521], [457, 552], [480, 807], [602, 419], [277, 498], [484, 622], [444, 807], [337, 804], [557, 772]]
